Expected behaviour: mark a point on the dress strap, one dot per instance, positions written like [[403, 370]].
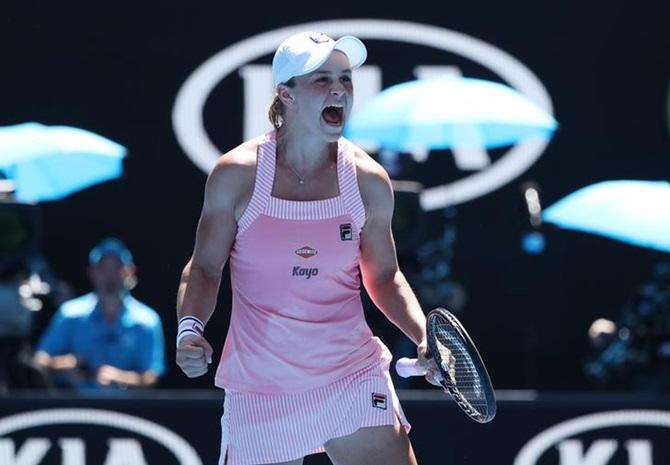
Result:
[[265, 171], [351, 196]]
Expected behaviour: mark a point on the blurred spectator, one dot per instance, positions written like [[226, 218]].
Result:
[[17, 369], [107, 338], [634, 351], [27, 286]]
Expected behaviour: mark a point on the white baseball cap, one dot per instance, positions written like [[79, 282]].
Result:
[[304, 52]]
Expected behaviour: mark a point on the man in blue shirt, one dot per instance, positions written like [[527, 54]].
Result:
[[106, 338]]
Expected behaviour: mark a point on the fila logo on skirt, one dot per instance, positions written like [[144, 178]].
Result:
[[379, 400]]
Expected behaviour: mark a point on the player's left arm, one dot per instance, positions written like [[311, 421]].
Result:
[[385, 283]]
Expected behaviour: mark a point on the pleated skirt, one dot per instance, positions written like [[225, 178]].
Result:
[[269, 428]]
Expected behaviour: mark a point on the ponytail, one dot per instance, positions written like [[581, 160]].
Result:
[[277, 109], [276, 112]]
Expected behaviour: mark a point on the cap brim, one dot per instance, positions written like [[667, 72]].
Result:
[[353, 48]]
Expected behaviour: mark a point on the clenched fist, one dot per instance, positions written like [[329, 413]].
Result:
[[194, 355]]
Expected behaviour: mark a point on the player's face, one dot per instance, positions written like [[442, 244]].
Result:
[[323, 98]]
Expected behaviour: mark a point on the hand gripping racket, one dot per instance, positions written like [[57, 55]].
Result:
[[466, 380]]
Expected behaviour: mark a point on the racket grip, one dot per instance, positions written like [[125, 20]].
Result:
[[407, 367]]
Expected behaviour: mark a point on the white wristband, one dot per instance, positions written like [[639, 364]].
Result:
[[189, 326]]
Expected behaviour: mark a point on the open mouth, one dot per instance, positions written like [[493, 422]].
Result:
[[333, 115]]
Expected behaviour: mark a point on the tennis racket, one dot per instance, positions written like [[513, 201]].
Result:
[[466, 379]]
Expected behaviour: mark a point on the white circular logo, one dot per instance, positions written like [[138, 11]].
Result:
[[536, 447], [182, 450], [187, 114]]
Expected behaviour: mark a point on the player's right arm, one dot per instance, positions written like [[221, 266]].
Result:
[[226, 192]]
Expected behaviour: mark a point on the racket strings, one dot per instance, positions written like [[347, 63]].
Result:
[[466, 381]]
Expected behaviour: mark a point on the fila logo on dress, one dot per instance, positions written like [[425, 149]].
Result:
[[345, 232]]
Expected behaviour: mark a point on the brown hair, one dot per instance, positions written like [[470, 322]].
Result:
[[276, 111]]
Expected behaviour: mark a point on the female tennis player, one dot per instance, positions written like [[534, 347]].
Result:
[[297, 211]]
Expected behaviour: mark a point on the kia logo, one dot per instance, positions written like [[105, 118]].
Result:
[[187, 113], [121, 451], [565, 438]]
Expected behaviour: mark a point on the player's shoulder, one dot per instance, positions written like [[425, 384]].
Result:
[[373, 179], [242, 155], [235, 170], [239, 159]]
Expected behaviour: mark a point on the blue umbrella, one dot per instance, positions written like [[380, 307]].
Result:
[[447, 111], [51, 162], [634, 212]]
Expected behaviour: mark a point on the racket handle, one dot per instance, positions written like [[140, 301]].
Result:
[[407, 367]]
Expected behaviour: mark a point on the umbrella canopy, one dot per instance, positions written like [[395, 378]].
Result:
[[51, 162], [634, 212], [447, 111]]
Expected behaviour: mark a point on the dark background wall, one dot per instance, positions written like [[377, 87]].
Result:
[[115, 69]]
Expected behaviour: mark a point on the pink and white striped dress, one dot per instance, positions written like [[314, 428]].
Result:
[[300, 364]]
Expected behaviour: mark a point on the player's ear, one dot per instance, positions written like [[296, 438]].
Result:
[[285, 94]]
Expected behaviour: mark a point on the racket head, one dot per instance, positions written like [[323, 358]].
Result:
[[471, 385]]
